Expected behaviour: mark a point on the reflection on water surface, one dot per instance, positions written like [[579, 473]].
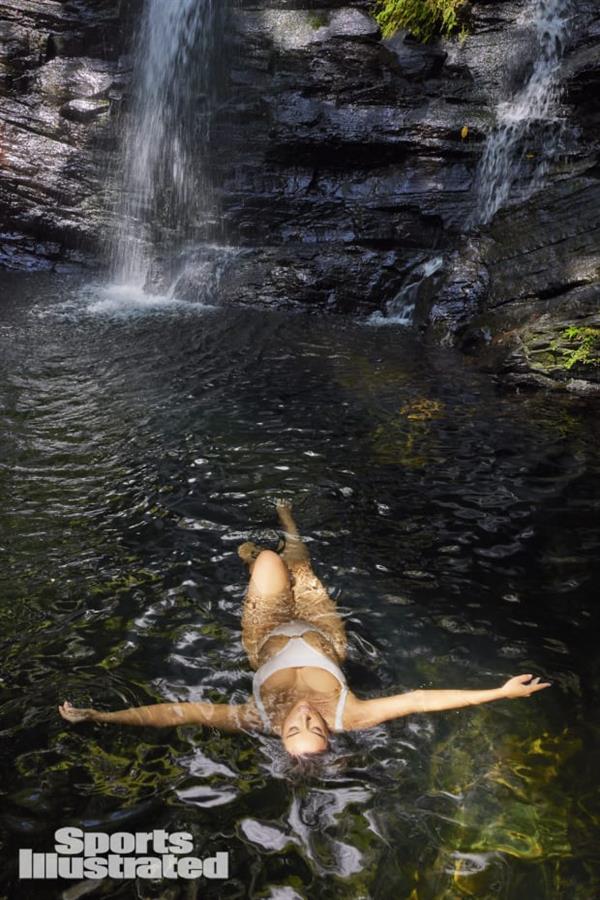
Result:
[[456, 527]]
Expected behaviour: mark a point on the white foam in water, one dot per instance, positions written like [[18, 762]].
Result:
[[404, 318], [129, 299], [400, 310]]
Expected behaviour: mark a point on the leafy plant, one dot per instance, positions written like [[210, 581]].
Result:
[[584, 346], [425, 19], [318, 20]]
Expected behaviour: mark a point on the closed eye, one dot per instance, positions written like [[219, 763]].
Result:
[[315, 730]]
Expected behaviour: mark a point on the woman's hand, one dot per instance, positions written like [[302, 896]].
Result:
[[74, 715], [522, 686]]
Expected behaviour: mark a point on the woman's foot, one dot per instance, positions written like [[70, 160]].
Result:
[[284, 511], [294, 550], [248, 552]]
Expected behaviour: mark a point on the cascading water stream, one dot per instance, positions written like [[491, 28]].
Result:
[[165, 195], [419, 285], [529, 135]]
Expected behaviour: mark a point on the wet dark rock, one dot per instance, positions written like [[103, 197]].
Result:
[[461, 295], [61, 81], [542, 262], [356, 146], [335, 278], [344, 153], [84, 110]]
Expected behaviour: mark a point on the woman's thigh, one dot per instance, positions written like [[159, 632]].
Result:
[[268, 602], [313, 604]]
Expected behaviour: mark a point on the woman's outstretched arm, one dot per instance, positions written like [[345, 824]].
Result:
[[168, 715], [366, 713]]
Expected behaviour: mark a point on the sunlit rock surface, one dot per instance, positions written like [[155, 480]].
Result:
[[62, 75]]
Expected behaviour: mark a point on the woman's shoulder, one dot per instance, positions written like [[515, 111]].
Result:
[[356, 713], [246, 716]]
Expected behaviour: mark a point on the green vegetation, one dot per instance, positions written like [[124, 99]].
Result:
[[583, 346], [425, 19], [562, 350], [318, 20]]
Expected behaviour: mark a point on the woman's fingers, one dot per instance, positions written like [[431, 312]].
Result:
[[534, 685], [524, 685], [71, 713], [540, 686]]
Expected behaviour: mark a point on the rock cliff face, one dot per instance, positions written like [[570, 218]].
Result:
[[345, 165], [347, 168], [353, 163], [60, 86]]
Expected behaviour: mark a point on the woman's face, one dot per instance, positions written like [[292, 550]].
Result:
[[304, 730]]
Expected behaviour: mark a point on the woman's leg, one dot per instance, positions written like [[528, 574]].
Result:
[[268, 602], [312, 603], [249, 553]]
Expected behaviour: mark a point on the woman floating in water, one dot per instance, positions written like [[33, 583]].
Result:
[[296, 643]]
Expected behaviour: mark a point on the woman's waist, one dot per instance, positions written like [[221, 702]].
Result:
[[294, 628], [302, 646], [309, 652]]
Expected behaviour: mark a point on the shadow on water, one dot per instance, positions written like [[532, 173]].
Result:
[[457, 528]]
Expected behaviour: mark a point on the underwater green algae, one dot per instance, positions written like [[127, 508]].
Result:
[[406, 439], [512, 799], [403, 435]]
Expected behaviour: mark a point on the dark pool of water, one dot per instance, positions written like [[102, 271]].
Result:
[[456, 526]]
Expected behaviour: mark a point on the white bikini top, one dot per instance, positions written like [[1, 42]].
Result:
[[297, 653]]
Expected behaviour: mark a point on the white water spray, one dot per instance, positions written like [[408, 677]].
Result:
[[529, 134], [401, 309], [165, 194]]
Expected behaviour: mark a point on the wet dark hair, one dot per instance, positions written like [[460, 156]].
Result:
[[305, 767]]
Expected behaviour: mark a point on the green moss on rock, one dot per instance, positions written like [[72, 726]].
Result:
[[425, 19], [318, 20], [562, 350]]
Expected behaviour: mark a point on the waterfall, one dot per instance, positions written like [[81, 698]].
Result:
[[529, 134], [419, 287], [165, 196]]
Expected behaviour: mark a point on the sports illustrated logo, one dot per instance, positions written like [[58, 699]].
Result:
[[95, 855]]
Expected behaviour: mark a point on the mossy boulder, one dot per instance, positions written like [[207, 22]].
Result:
[[558, 354]]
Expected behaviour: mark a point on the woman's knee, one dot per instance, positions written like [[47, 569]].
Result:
[[270, 574]]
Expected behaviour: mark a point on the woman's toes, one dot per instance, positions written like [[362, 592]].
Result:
[[245, 551], [249, 551]]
